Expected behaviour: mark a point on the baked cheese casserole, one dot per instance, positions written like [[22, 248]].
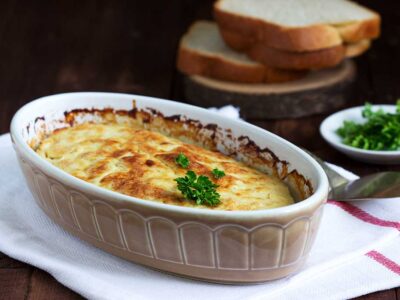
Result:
[[142, 163]]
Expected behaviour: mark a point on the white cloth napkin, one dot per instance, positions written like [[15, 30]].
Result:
[[357, 251]]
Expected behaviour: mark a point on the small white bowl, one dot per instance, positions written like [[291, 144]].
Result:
[[333, 122]]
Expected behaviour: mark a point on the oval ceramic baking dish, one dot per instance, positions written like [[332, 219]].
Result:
[[213, 245]]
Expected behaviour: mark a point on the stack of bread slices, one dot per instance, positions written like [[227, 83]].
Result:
[[274, 41]]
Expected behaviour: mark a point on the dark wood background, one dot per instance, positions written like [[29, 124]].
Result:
[[50, 46]]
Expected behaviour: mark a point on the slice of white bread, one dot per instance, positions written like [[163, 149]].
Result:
[[202, 51], [306, 60], [298, 25]]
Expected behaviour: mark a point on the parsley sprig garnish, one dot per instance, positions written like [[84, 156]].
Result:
[[381, 131], [218, 173], [182, 160], [199, 189]]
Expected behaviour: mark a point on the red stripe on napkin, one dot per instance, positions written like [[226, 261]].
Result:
[[368, 218], [384, 261], [363, 215]]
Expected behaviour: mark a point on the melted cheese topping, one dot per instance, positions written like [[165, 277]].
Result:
[[141, 163]]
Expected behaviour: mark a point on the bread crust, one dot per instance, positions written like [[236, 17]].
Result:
[[356, 32], [277, 58], [318, 59], [237, 41], [356, 49], [282, 59], [296, 39], [195, 63]]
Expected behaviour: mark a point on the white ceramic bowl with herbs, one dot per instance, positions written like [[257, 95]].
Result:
[[378, 142], [208, 244]]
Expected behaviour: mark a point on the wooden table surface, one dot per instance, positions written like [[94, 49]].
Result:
[[49, 47]]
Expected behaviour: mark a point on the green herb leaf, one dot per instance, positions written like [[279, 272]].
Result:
[[199, 189], [182, 160], [218, 173], [381, 131]]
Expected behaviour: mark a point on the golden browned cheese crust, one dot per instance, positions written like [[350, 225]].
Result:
[[141, 163]]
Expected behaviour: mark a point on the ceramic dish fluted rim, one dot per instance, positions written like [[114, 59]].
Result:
[[320, 190]]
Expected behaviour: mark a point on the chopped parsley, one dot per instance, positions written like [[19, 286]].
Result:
[[381, 131], [182, 160], [199, 189], [218, 173]]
